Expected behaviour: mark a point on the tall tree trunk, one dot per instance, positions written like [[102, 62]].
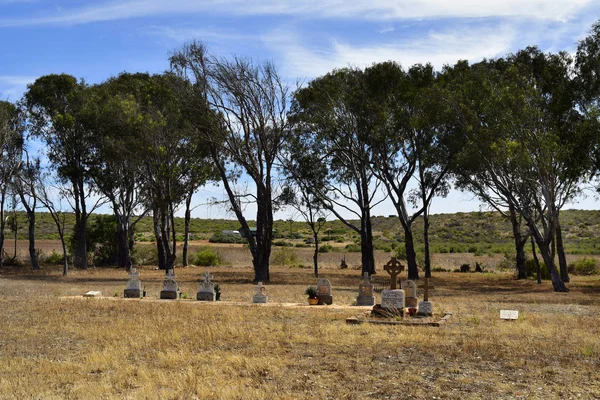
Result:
[[557, 283], [366, 243], [537, 262], [35, 264], [123, 251], [186, 230], [426, 240], [411, 256], [560, 249], [519, 243], [80, 256], [2, 226], [264, 235], [316, 253], [162, 264]]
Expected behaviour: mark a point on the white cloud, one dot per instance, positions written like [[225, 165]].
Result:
[[375, 10], [437, 48], [12, 86]]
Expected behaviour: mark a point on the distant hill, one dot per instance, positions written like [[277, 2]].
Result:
[[476, 232]]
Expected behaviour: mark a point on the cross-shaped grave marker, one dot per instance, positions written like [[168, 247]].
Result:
[[394, 267], [207, 277], [426, 287]]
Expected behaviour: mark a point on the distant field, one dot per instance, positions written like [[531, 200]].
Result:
[[57, 347]]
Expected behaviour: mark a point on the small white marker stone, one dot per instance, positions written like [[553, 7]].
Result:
[[93, 293], [509, 314]]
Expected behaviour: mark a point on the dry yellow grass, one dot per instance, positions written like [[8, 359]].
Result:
[[57, 347]]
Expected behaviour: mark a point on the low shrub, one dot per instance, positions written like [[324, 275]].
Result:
[[353, 248], [144, 255], [284, 256], [220, 238], [326, 248], [585, 267], [206, 257], [283, 243], [531, 267], [55, 258]]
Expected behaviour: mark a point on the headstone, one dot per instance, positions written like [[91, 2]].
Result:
[[261, 294], [393, 267], [509, 314], [93, 293], [411, 293], [366, 295], [207, 289], [134, 286], [324, 291], [393, 300], [170, 288], [425, 306]]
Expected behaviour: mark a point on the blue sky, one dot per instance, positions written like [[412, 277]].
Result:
[[97, 39]]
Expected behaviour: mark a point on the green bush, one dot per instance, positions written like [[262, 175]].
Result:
[[206, 257], [532, 269], [585, 266], [401, 252], [283, 243], [284, 256], [55, 258], [353, 248], [144, 255], [326, 248], [220, 238]]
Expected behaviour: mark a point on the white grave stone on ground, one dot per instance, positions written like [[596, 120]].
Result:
[[261, 294], [134, 286], [425, 306], [93, 293], [170, 288], [324, 291], [410, 289], [393, 299], [366, 296], [509, 314], [207, 289]]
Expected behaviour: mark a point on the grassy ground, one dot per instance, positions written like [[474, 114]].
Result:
[[58, 347]]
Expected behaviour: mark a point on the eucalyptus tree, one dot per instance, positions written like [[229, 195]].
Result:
[[115, 113], [239, 111], [11, 143], [519, 152], [587, 68], [329, 150], [55, 104], [24, 183], [416, 137]]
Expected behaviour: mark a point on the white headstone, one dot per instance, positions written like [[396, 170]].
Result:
[[509, 314], [134, 280], [169, 283], [207, 285], [261, 294], [425, 308], [392, 298], [412, 288], [93, 293]]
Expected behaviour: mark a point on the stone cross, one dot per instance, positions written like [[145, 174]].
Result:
[[260, 288], [366, 277], [426, 287], [393, 267], [207, 277]]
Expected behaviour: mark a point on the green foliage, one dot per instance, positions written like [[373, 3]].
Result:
[[102, 240], [531, 267], [206, 257], [326, 248], [220, 238], [283, 243], [353, 248], [585, 266], [284, 256], [311, 292], [144, 255], [54, 258]]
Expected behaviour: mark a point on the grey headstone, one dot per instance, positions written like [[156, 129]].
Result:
[[366, 296], [170, 288], [261, 294], [134, 286], [207, 289], [324, 291]]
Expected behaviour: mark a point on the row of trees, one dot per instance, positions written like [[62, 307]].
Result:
[[521, 132]]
